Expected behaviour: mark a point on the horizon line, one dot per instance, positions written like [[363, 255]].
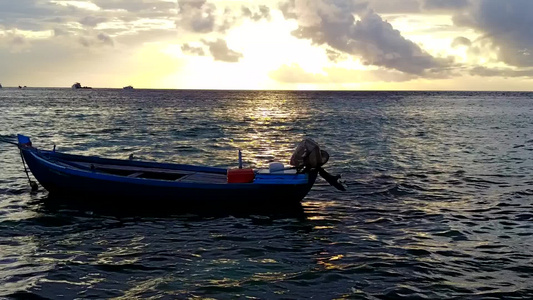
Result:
[[255, 90]]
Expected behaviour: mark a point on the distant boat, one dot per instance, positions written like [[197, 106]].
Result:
[[129, 87], [0, 85], [77, 85]]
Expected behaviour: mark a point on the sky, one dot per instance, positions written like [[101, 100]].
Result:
[[268, 44]]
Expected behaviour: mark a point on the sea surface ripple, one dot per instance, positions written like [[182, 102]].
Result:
[[438, 202]]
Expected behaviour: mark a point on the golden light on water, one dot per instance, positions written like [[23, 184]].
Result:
[[264, 117]]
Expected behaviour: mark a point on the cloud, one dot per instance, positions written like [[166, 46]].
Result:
[[263, 13], [444, 4], [25, 14], [92, 21], [196, 16], [105, 39], [101, 39], [506, 24], [501, 72], [14, 42], [149, 8], [220, 51], [461, 41], [333, 56], [297, 75], [395, 6], [415, 6], [118, 17], [371, 38], [380, 44], [203, 17], [189, 49]]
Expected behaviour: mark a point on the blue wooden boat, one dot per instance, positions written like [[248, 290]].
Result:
[[131, 181]]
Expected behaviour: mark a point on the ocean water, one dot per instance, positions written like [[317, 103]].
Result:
[[439, 200]]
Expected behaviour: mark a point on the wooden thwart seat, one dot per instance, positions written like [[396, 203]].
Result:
[[145, 172], [129, 168], [204, 178], [136, 174]]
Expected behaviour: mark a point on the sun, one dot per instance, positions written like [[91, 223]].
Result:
[[266, 46]]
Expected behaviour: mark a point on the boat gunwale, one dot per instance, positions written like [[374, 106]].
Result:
[[122, 162]]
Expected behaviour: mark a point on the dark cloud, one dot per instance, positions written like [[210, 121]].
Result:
[[395, 6], [444, 4], [146, 7], [24, 14], [232, 18], [220, 51], [262, 13], [380, 44], [501, 72], [60, 32], [92, 21], [105, 39], [201, 16], [461, 41], [101, 39], [415, 6], [196, 16], [371, 38], [246, 11], [333, 56], [227, 20], [189, 49], [506, 24]]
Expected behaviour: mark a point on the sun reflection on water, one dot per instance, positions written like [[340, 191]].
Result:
[[262, 126]]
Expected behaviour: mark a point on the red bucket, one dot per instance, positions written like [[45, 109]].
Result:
[[241, 175]]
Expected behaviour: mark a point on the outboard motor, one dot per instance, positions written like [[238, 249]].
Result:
[[308, 155]]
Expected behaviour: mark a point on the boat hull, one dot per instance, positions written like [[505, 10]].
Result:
[[108, 189]]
